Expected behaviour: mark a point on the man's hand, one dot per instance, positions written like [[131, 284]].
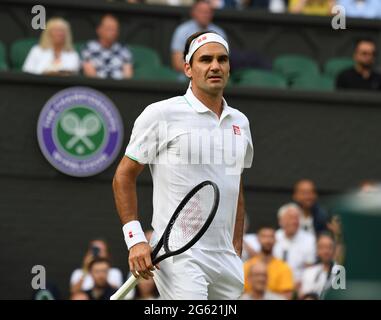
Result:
[[139, 260]]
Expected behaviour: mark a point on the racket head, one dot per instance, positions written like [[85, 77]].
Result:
[[190, 220]]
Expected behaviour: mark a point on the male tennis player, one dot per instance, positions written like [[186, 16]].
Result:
[[166, 136]]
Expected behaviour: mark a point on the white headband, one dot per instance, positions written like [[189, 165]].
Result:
[[203, 39]]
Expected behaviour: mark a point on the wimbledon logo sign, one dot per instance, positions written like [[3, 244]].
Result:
[[80, 131]]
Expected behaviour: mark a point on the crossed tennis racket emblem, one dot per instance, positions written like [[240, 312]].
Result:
[[80, 129]]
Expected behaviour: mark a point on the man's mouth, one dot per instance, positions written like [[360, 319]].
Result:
[[215, 77]]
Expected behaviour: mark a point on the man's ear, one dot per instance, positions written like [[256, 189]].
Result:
[[188, 70]]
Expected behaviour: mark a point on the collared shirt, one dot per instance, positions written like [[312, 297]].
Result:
[[298, 251], [352, 79], [108, 62], [185, 143], [314, 280], [186, 29]]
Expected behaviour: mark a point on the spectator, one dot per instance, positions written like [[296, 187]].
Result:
[[279, 273], [82, 280], [146, 290], [314, 218], [368, 9], [294, 245], [54, 55], [361, 76], [202, 16], [312, 7], [316, 278], [250, 244], [334, 226], [80, 295], [274, 6], [257, 278], [106, 57], [99, 269]]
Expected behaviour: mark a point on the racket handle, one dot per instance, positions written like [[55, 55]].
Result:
[[125, 288]]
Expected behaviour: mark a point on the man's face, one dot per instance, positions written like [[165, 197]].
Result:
[[266, 238], [108, 31], [99, 272], [365, 54], [210, 68], [290, 221], [325, 249], [203, 14], [257, 277], [305, 194]]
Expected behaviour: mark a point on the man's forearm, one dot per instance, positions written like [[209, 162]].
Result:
[[125, 198]]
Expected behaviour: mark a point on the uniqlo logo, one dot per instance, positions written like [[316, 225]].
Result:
[[130, 234], [236, 130], [201, 39]]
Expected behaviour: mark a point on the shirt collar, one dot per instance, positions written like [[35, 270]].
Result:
[[198, 106]]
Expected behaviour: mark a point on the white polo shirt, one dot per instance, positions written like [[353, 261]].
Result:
[[298, 252], [185, 143]]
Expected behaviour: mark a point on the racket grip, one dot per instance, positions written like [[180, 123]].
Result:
[[125, 288]]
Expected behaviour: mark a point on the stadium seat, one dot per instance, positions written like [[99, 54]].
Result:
[[78, 46], [314, 83], [335, 65], [20, 50], [156, 73], [293, 66], [259, 78], [3, 61], [144, 56]]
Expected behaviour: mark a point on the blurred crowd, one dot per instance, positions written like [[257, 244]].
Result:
[[291, 261], [107, 57]]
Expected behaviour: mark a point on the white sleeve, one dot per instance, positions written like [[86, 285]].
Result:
[[249, 152], [311, 250], [115, 277], [75, 276], [149, 135], [72, 63], [32, 60]]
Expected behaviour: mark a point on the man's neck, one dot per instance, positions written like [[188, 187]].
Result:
[[265, 257], [105, 44], [365, 72], [258, 295], [213, 102]]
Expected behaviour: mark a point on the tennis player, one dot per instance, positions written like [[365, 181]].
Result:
[[186, 140]]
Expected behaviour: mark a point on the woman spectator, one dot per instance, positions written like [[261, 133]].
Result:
[[81, 280], [54, 55]]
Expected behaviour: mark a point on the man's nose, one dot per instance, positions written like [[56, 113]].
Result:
[[215, 65]]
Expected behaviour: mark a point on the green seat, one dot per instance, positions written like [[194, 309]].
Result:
[[144, 56], [335, 65], [79, 46], [156, 73], [314, 83], [293, 66], [3, 61], [259, 78], [20, 50]]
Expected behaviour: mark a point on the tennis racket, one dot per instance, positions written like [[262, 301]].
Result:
[[187, 225]]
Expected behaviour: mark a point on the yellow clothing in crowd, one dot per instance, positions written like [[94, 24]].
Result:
[[278, 272], [313, 7]]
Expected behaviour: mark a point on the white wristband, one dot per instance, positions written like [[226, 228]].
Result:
[[133, 233]]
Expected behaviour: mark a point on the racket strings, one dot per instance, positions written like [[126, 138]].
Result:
[[191, 218]]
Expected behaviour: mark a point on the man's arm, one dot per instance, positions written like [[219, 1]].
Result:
[[124, 186], [239, 220], [128, 70]]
